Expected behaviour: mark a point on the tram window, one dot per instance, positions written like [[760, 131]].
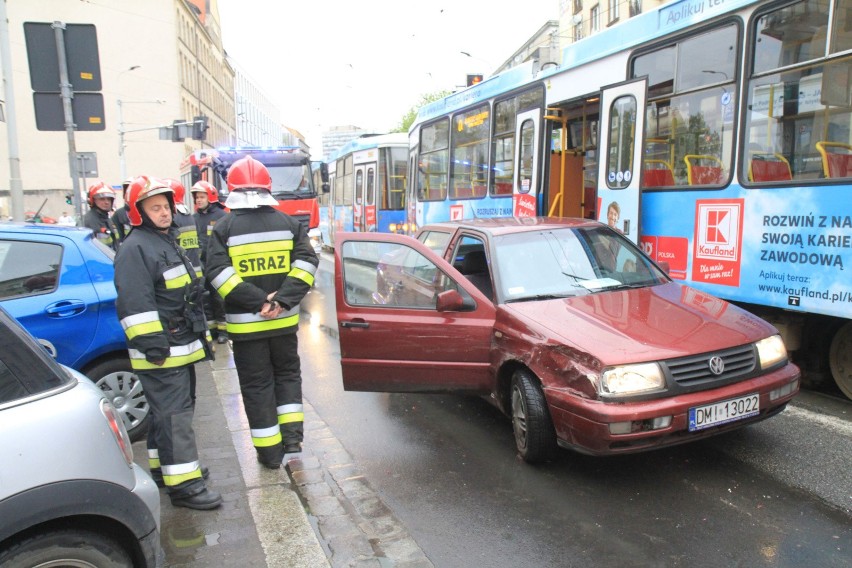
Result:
[[622, 127], [527, 164], [432, 168], [798, 120], [841, 31], [392, 178], [792, 35], [359, 187], [469, 153], [690, 114], [503, 146]]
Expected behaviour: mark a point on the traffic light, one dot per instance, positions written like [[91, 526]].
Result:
[[473, 80], [68, 199], [199, 128]]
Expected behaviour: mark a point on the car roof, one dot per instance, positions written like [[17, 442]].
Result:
[[44, 228], [505, 225]]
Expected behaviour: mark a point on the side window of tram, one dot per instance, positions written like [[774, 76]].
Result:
[[622, 130]]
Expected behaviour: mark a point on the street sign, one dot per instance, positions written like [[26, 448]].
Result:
[[86, 108], [87, 164], [81, 53]]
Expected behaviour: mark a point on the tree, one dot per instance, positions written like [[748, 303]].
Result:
[[408, 118]]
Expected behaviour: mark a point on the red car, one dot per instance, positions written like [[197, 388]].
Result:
[[564, 325]]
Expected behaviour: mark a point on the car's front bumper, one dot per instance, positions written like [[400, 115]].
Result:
[[584, 425]]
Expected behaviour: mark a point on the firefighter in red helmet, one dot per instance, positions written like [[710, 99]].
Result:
[[262, 263], [159, 306], [100, 199], [208, 211]]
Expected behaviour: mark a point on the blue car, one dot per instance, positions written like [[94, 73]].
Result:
[[58, 283]]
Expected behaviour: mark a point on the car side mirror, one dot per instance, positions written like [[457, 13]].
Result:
[[449, 301], [664, 265]]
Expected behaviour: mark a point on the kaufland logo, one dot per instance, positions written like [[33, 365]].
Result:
[[718, 228]]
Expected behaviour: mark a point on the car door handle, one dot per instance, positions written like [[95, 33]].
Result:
[[355, 323], [65, 308]]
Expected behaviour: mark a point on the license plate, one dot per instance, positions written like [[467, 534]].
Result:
[[701, 417]]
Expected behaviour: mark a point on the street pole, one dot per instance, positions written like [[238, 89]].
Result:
[[122, 165], [67, 95], [16, 188]]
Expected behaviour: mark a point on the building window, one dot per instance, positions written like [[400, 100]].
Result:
[[613, 10], [595, 18], [578, 6], [635, 7], [578, 31]]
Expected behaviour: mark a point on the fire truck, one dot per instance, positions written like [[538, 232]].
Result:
[[289, 167]]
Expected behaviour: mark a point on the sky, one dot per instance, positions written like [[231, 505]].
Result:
[[331, 63]]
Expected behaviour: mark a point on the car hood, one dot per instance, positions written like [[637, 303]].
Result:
[[645, 324]]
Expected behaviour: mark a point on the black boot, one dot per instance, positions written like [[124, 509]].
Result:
[[202, 501]]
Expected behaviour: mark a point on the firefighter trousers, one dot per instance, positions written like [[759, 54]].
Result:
[[271, 385], [171, 438]]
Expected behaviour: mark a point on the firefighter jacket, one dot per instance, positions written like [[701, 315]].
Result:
[[101, 225], [159, 301], [251, 253], [121, 222], [205, 220], [188, 236]]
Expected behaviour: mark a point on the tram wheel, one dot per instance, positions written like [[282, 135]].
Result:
[[840, 358]]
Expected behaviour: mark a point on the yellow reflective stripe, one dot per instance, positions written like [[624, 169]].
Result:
[[176, 474], [226, 281], [266, 325], [176, 277], [140, 324], [289, 413], [179, 355], [188, 237], [302, 275], [255, 248], [265, 437], [153, 459]]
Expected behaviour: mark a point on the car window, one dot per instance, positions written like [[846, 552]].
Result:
[[570, 262], [28, 268], [25, 368], [391, 274], [435, 240]]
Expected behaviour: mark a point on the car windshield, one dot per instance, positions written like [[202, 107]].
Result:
[[287, 181], [569, 262]]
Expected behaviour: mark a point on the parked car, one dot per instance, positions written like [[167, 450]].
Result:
[[564, 325], [70, 494], [58, 282]]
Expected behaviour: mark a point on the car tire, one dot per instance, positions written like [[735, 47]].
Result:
[[535, 437], [72, 547], [123, 388]]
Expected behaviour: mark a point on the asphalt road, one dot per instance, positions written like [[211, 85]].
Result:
[[778, 493]]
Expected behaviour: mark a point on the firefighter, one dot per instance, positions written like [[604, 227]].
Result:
[[100, 199], [159, 305], [262, 263], [187, 238], [119, 218], [208, 210]]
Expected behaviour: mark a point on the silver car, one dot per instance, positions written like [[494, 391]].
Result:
[[70, 493]]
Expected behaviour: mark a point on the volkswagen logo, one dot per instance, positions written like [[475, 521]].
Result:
[[717, 365]]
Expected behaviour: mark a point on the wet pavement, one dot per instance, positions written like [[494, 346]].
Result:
[[317, 511]]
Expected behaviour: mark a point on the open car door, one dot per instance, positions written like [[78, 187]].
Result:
[[408, 321]]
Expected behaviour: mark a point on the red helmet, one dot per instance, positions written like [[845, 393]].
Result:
[[100, 189], [177, 187], [248, 173], [205, 187], [141, 189]]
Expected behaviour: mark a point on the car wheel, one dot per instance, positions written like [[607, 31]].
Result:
[[124, 389], [531, 422], [66, 548]]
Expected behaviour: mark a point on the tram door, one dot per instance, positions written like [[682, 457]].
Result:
[[527, 157], [622, 125]]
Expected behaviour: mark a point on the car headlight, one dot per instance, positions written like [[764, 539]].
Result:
[[771, 351], [632, 379]]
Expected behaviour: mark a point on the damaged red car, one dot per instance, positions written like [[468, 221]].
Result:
[[564, 325]]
